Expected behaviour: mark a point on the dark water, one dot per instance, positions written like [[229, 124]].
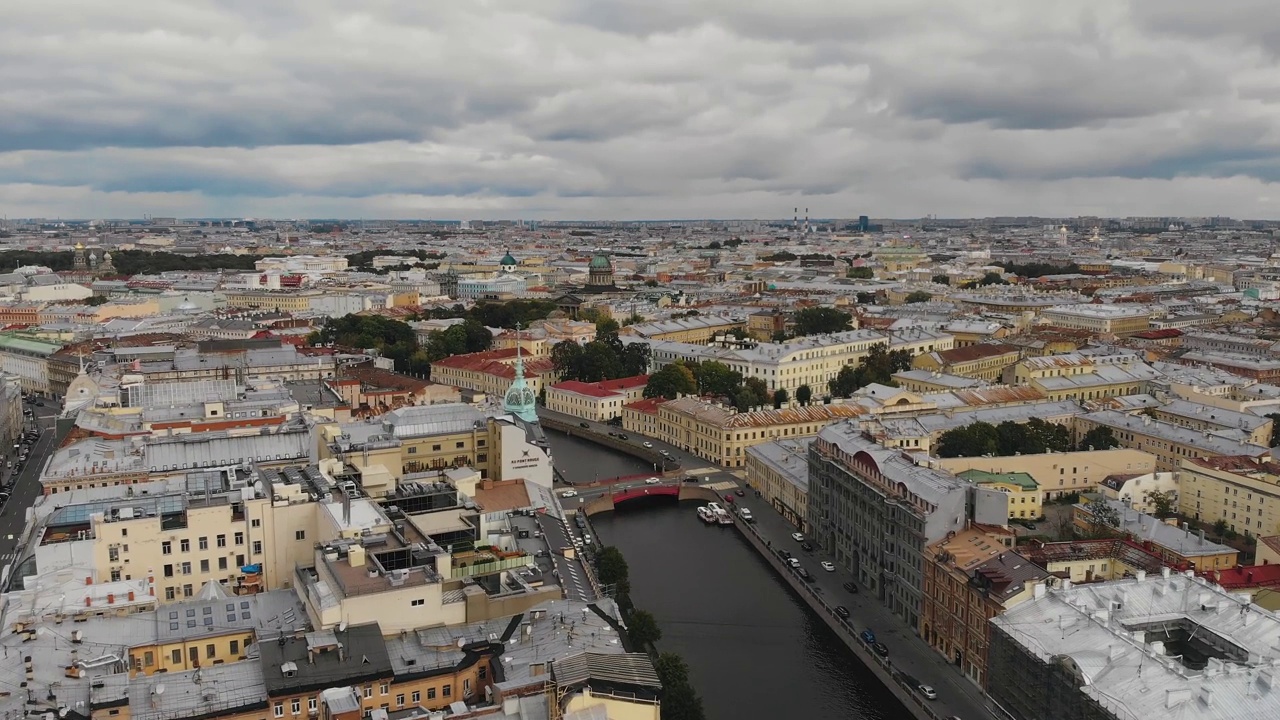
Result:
[[754, 649]]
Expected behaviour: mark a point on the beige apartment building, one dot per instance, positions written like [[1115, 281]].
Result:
[[598, 401], [492, 372], [1244, 492], [283, 300], [1060, 474], [982, 361], [1100, 319], [721, 434], [697, 329], [780, 471], [1169, 443]]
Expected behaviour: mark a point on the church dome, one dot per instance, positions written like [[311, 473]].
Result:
[[79, 245], [508, 260], [600, 262]]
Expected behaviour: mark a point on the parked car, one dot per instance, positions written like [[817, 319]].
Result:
[[647, 444], [740, 492], [793, 562], [829, 567], [569, 493], [850, 587], [584, 424], [928, 692], [807, 547], [804, 574], [798, 537], [868, 637], [842, 611], [651, 481], [728, 499], [622, 436], [745, 514], [880, 649]]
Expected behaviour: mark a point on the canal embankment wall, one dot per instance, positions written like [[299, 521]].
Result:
[[649, 455], [878, 666]]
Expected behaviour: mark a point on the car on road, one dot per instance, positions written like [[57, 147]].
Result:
[[868, 637], [807, 547], [793, 562], [880, 649], [728, 499], [39, 403], [569, 493], [828, 566], [850, 587], [745, 514], [651, 481], [798, 537], [665, 453], [584, 424], [740, 492], [928, 692], [842, 611], [804, 574], [622, 436], [647, 444]]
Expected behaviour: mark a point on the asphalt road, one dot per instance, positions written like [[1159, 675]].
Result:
[[26, 486], [907, 652]]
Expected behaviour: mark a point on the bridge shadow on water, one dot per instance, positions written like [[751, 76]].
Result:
[[645, 502]]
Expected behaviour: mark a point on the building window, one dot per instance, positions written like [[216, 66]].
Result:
[[168, 570], [416, 697], [210, 651], [186, 590], [484, 671], [446, 691], [257, 547], [435, 448], [295, 706], [222, 563], [176, 656], [186, 568], [168, 593], [204, 566], [413, 449], [384, 689], [204, 543], [400, 700], [184, 545], [368, 691], [222, 541], [239, 538], [235, 647], [166, 548], [256, 522], [299, 534], [279, 709], [431, 694], [311, 704], [419, 602]]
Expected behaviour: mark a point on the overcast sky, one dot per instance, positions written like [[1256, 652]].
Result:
[[639, 108]]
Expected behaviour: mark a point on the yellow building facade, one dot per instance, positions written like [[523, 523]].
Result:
[[1060, 474], [1242, 492]]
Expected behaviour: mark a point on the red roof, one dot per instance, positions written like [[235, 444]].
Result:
[[1246, 576], [604, 388], [648, 405], [1158, 334], [483, 362]]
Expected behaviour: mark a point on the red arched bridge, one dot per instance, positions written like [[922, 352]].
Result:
[[643, 491]]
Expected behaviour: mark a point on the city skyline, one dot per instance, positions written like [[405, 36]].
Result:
[[560, 109]]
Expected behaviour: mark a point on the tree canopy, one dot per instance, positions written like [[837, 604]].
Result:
[[671, 382], [679, 700], [1039, 269], [496, 314], [803, 394], [600, 359], [878, 366], [1008, 438], [918, 296], [821, 320], [1099, 438], [396, 340]]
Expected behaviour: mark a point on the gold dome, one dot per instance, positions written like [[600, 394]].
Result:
[[79, 245]]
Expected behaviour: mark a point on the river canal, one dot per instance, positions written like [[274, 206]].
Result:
[[754, 649]]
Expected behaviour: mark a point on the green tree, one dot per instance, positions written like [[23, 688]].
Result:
[[1220, 528], [992, 278], [671, 382], [845, 382], [606, 328], [918, 296], [1099, 438], [679, 700], [860, 273], [780, 398], [1104, 521], [566, 359], [821, 320], [803, 394], [611, 566], [651, 283], [1275, 429], [643, 629], [942, 279], [599, 362], [1164, 503], [972, 440], [865, 298], [716, 378], [1012, 438], [1048, 436], [753, 393], [635, 359]]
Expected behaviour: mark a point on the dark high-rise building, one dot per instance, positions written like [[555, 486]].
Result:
[[864, 223]]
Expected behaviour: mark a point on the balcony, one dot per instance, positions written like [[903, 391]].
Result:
[[485, 562]]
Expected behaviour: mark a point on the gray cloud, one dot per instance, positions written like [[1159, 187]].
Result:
[[639, 108]]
